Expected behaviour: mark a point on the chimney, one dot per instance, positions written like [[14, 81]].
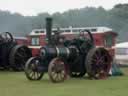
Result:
[[49, 30]]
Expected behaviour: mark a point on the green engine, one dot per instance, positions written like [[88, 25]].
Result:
[[76, 57]]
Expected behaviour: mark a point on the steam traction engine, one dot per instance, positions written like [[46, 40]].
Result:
[[74, 57], [12, 55]]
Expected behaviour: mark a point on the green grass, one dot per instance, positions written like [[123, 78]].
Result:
[[16, 84]]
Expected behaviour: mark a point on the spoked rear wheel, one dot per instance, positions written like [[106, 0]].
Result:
[[18, 57], [33, 69], [57, 70], [98, 63]]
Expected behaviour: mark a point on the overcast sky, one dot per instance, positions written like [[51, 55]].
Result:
[[33, 7]]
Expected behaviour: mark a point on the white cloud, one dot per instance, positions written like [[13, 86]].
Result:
[[33, 7]]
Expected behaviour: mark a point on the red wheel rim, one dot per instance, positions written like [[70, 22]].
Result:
[[99, 63]]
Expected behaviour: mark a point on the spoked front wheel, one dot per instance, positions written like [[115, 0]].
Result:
[[57, 70], [33, 69]]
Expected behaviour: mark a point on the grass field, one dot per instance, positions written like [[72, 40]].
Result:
[[16, 84]]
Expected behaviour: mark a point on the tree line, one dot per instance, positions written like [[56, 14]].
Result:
[[115, 18]]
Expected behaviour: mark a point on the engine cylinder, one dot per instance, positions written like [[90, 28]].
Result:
[[51, 52]]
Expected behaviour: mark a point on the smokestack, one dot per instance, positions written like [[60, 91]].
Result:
[[49, 30]]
